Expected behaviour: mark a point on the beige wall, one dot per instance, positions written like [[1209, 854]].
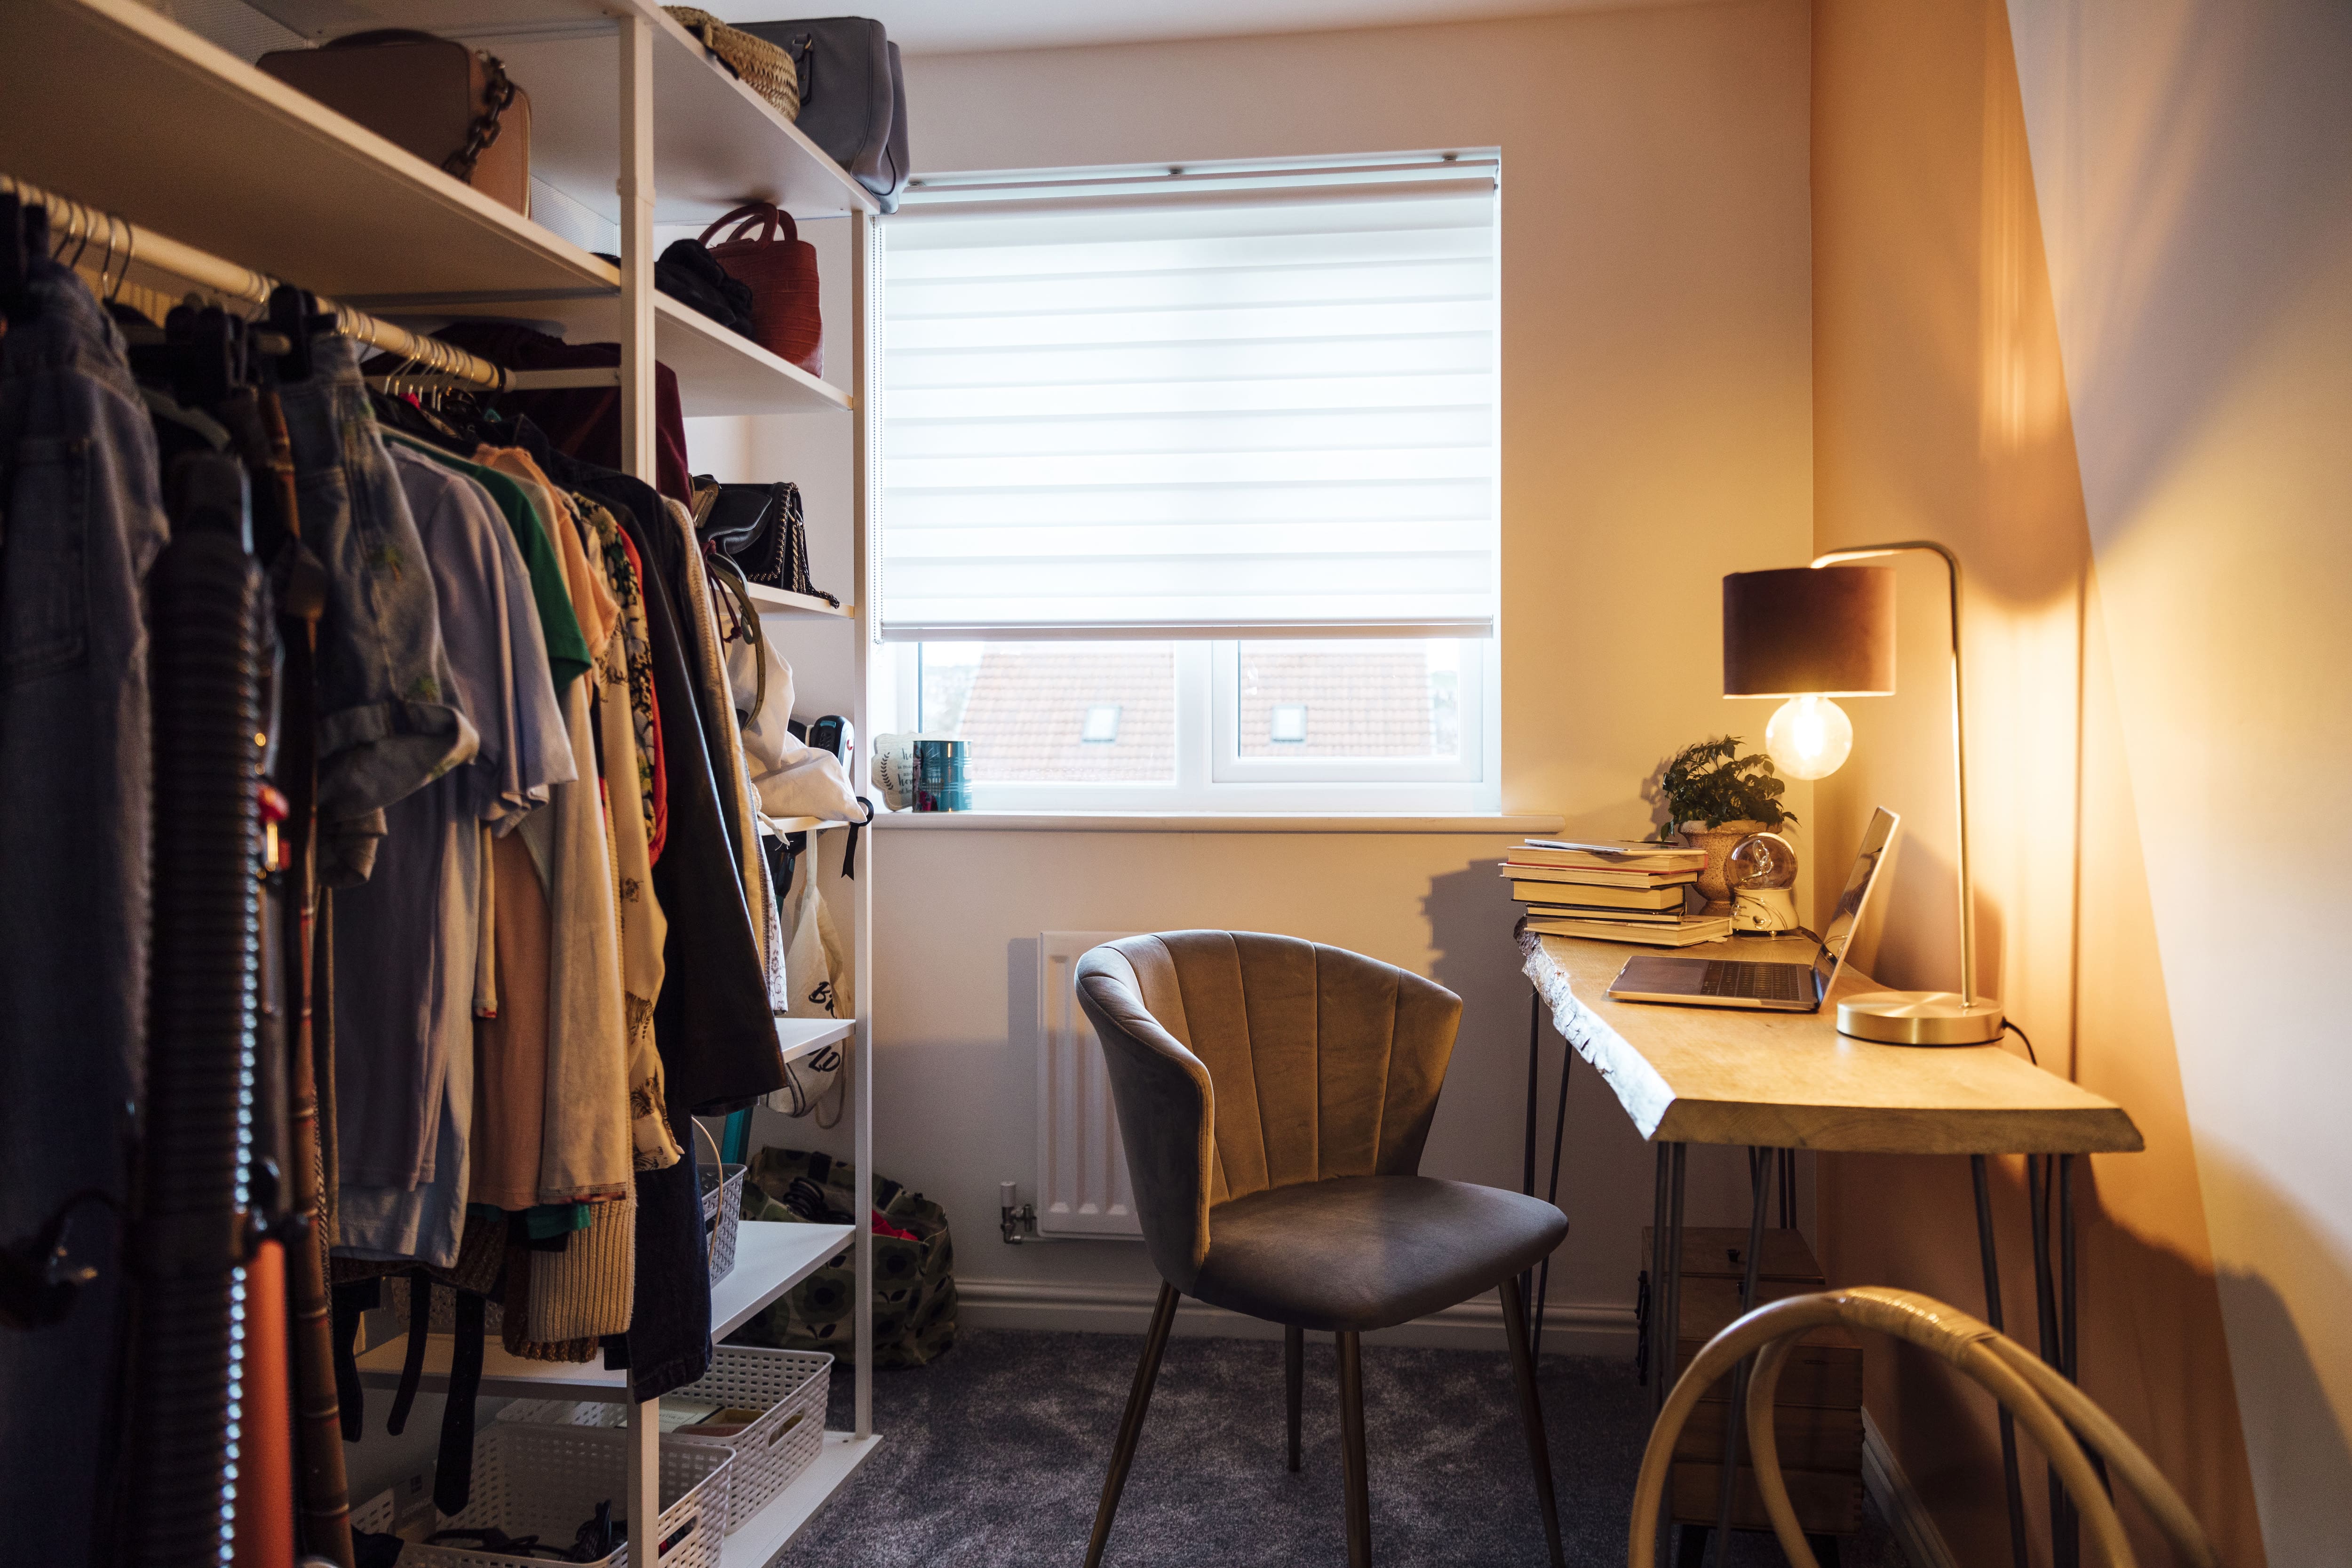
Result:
[[1656, 429], [1941, 409], [2194, 164]]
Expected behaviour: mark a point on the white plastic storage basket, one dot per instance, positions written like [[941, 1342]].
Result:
[[723, 1211], [547, 1481], [375, 1515], [788, 1387]]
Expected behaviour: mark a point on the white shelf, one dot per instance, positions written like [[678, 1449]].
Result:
[[401, 238], [723, 372], [782, 602], [111, 104], [717, 143], [775, 826], [770, 1259], [798, 1037], [719, 371], [770, 1531]]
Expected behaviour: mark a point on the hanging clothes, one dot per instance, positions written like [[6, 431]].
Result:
[[84, 522], [405, 1010], [729, 766], [713, 1022], [583, 421], [643, 926], [586, 1150], [387, 726], [627, 572]]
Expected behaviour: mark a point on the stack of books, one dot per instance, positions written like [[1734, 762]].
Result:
[[1618, 892]]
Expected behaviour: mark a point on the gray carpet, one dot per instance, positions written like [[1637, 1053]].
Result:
[[994, 1455]]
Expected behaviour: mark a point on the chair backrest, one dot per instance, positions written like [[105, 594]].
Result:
[[1240, 1061], [2052, 1410]]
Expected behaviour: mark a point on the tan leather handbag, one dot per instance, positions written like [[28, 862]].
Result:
[[450, 105]]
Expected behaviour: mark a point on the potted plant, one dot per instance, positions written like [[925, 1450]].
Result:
[[1715, 797]]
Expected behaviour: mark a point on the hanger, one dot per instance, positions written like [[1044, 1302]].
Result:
[[295, 315], [24, 234]]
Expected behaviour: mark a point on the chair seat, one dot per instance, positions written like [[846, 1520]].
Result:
[[1357, 1253]]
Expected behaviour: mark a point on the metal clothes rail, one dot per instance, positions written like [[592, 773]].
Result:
[[76, 229]]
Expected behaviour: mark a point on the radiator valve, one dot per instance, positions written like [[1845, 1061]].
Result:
[[1016, 1225]]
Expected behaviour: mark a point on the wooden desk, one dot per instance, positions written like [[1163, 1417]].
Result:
[[1784, 1082], [1789, 1080]]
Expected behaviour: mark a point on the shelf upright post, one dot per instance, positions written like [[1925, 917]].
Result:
[[636, 186], [864, 242], [636, 192]]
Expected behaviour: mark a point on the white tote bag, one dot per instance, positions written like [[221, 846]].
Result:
[[817, 975]]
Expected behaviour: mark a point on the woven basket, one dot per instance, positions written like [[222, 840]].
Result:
[[547, 1481], [788, 1387], [782, 273], [722, 1208], [763, 66], [723, 1212]]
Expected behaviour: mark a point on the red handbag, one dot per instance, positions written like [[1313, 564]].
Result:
[[781, 276]]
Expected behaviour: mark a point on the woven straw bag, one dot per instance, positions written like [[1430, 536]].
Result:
[[782, 272], [764, 68]]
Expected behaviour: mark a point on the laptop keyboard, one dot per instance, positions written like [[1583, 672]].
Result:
[[1763, 982]]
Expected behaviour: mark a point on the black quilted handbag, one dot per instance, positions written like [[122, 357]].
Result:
[[759, 528]]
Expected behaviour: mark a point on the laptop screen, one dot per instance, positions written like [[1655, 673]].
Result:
[[1837, 933]]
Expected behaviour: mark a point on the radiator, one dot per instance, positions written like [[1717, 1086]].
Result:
[[1082, 1183]]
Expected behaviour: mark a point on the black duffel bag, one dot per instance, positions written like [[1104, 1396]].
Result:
[[853, 96]]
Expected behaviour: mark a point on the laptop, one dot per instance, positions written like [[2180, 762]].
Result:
[[1770, 987]]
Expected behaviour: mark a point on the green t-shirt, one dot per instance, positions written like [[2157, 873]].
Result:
[[567, 651]]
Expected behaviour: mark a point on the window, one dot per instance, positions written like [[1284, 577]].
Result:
[[1187, 484]]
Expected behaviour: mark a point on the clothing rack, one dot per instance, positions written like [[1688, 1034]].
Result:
[[75, 227]]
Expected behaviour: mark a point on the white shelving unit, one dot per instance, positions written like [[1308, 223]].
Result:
[[115, 106], [784, 602]]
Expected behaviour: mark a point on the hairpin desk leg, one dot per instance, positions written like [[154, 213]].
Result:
[[1654, 1363], [1551, 1195], [1528, 1153], [1760, 1163], [2015, 1487]]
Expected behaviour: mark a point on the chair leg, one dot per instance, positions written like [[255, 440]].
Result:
[[1522, 1372], [1131, 1426], [1352, 1452], [1294, 1379]]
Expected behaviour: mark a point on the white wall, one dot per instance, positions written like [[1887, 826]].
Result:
[[2194, 164], [1656, 434]]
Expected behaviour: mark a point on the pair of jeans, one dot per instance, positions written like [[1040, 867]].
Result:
[[388, 719], [81, 520]]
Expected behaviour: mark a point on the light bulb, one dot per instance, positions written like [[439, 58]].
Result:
[[1809, 737]]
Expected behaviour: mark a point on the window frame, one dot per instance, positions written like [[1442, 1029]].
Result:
[[1227, 765], [1212, 778], [1206, 705]]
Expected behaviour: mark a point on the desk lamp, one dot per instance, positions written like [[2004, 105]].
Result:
[[1813, 634]]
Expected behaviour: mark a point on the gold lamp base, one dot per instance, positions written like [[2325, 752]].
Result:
[[1919, 1018]]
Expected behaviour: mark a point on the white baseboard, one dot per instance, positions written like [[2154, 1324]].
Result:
[[1915, 1529], [1569, 1329]]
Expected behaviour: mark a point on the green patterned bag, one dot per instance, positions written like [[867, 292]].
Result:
[[914, 1282]]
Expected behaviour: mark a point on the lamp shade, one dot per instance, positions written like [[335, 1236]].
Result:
[[1828, 630]]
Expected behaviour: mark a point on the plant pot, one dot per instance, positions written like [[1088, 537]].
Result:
[[1718, 843]]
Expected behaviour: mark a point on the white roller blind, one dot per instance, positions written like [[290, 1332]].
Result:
[[1266, 411]]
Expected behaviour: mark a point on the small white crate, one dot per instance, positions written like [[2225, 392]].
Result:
[[376, 1515], [723, 1211], [788, 1387], [546, 1480]]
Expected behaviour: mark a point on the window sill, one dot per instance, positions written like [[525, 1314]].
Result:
[[1491, 826]]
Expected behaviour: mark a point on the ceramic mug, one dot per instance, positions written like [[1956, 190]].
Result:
[[892, 766]]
